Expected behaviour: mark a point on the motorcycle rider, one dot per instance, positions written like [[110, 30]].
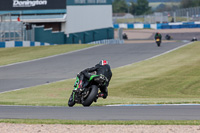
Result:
[[102, 68], [158, 35]]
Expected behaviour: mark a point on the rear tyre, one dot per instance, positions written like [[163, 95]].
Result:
[[91, 97]]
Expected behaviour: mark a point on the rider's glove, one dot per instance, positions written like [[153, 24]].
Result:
[[78, 74]]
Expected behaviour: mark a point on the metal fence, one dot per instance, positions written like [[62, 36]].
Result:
[[179, 15], [152, 18], [5, 17], [11, 31], [157, 17], [186, 14]]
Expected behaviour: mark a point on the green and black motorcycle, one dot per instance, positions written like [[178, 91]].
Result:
[[158, 42], [86, 94]]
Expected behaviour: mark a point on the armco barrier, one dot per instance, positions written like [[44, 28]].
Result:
[[177, 25], [147, 26], [130, 26], [10, 44]]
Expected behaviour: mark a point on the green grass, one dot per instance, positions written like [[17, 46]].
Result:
[[167, 79], [174, 75], [178, 19], [130, 20], [77, 122], [13, 55]]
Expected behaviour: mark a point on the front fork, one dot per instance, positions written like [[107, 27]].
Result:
[[79, 94]]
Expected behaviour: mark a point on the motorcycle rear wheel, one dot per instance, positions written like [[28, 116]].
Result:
[[91, 97]]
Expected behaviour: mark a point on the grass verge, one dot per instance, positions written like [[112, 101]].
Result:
[[78, 122], [19, 54]]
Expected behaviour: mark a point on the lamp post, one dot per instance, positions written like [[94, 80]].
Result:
[[129, 4]]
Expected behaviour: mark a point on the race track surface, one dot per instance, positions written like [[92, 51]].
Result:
[[171, 112], [66, 66]]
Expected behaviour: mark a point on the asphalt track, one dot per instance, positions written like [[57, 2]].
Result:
[[184, 112], [65, 66]]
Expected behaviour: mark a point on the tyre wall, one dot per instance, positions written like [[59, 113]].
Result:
[[9, 44]]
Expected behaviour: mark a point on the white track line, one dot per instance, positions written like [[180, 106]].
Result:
[[127, 105]]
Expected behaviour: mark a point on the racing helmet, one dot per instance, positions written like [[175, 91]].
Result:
[[103, 62]]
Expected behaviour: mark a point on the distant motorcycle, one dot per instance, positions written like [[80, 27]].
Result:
[[88, 94], [168, 37], [158, 42]]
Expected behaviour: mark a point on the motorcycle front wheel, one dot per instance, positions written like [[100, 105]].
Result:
[[71, 102], [158, 43], [91, 97]]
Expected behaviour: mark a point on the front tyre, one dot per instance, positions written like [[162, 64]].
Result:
[[91, 97], [158, 43], [71, 101]]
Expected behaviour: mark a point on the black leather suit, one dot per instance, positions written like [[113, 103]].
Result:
[[100, 69]]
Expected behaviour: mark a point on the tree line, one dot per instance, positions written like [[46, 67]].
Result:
[[136, 8], [190, 3], [141, 7]]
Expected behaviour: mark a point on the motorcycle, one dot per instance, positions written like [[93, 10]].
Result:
[[86, 94], [158, 42]]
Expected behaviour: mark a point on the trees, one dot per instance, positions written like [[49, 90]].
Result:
[[132, 8], [189, 3], [142, 7], [120, 6], [139, 8]]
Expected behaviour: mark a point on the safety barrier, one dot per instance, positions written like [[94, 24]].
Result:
[[177, 25], [9, 44], [108, 41], [46, 35]]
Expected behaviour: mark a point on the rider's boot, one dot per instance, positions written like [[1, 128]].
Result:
[[85, 84], [103, 95]]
